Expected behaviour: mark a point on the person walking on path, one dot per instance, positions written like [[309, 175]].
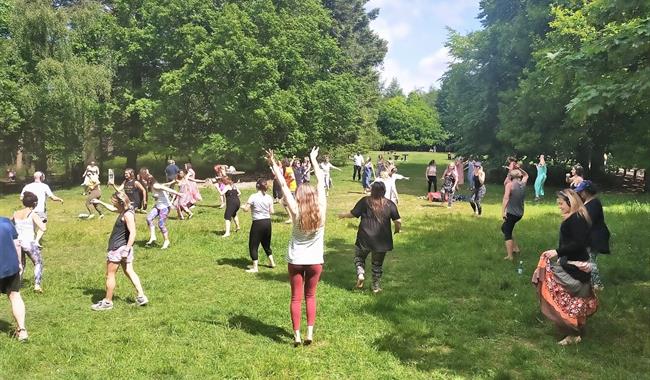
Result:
[[25, 220], [450, 183], [260, 205], [431, 174], [42, 192], [10, 269], [512, 208], [478, 184], [598, 233], [374, 235], [120, 251], [306, 246], [541, 177], [562, 276], [357, 159]]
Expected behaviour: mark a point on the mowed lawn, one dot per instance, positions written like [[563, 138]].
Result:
[[451, 306]]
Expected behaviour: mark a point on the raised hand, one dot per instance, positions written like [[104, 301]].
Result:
[[314, 153]]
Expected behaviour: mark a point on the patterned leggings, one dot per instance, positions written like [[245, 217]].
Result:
[[595, 273], [377, 262], [161, 213], [34, 254]]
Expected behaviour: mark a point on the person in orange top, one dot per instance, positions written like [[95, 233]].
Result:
[[289, 176]]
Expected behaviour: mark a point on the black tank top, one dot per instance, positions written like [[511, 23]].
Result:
[[120, 235], [231, 195], [477, 181], [131, 191]]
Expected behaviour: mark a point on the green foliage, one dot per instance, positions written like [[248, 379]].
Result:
[[409, 122], [565, 78]]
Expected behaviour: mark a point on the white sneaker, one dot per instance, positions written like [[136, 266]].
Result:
[[252, 270], [360, 280], [165, 245], [90, 216]]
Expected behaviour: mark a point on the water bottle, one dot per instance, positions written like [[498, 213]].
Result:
[[520, 268]]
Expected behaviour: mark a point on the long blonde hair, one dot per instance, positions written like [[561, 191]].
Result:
[[308, 210], [575, 204]]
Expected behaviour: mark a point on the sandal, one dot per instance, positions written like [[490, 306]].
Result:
[[21, 335]]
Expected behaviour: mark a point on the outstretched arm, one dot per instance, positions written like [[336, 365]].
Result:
[[40, 225], [108, 206], [320, 185]]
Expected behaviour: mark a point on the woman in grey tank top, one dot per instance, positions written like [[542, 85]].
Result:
[[512, 208]]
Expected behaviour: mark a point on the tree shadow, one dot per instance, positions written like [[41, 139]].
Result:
[[239, 263], [257, 327]]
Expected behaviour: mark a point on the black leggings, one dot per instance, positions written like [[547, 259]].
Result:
[[509, 225], [260, 233], [356, 172], [433, 180]]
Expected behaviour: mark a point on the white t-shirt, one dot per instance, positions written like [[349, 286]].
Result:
[[260, 206], [326, 166], [42, 192], [306, 248], [391, 191], [358, 160]]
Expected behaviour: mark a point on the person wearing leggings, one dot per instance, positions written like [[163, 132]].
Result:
[[25, 220], [512, 208], [478, 188], [306, 246], [261, 206], [161, 208]]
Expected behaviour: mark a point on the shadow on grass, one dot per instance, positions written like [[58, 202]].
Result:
[[6, 327], [257, 327], [239, 263], [96, 295], [274, 275]]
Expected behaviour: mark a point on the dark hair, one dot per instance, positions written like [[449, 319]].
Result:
[[262, 185], [30, 199], [286, 162], [432, 162], [579, 170], [226, 180], [130, 172], [376, 200]]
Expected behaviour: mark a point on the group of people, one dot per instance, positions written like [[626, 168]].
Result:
[[565, 277]]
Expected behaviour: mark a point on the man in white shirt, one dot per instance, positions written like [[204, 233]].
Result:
[[358, 163], [42, 192]]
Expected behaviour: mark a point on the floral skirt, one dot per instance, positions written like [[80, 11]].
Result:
[[563, 299]]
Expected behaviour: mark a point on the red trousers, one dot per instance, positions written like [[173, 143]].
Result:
[[303, 279]]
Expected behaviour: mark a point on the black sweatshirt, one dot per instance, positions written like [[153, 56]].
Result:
[[574, 240]]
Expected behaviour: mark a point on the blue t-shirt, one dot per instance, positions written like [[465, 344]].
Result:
[[170, 171], [8, 258]]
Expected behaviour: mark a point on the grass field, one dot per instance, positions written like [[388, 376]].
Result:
[[451, 306]]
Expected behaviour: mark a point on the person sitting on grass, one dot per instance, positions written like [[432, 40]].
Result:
[[10, 269], [120, 251], [306, 247], [25, 220], [563, 277], [374, 234]]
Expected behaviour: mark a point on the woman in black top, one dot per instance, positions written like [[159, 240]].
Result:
[[120, 251], [231, 194], [563, 276], [599, 233], [374, 235], [133, 189]]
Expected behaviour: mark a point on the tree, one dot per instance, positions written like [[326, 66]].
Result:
[[409, 123]]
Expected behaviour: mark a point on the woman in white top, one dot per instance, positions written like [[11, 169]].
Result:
[[160, 209], [305, 254], [25, 220], [327, 166], [260, 205]]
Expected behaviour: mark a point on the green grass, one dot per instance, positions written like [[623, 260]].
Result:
[[451, 307]]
